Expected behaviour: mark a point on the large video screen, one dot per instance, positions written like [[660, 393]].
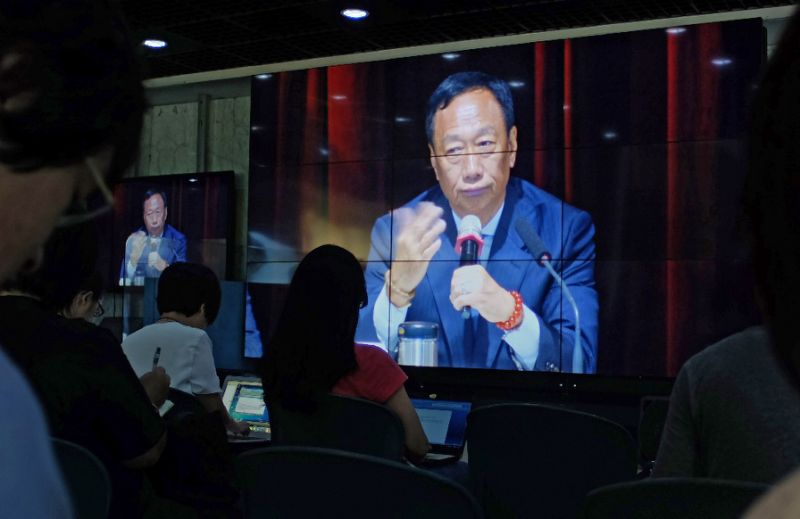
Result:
[[160, 220], [156, 222], [622, 154]]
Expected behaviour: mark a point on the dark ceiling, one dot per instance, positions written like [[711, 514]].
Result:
[[218, 34]]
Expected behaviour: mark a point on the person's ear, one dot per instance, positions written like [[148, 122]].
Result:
[[166, 210], [85, 298], [80, 304]]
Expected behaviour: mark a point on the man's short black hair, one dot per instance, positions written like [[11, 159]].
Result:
[[77, 61], [184, 287], [462, 82], [152, 192]]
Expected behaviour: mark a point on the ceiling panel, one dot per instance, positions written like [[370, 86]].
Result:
[[208, 35]]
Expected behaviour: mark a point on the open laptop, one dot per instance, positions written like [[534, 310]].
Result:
[[445, 425], [244, 399]]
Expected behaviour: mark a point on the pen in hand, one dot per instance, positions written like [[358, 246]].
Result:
[[156, 356]]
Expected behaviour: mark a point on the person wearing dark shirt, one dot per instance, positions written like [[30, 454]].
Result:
[[731, 415], [90, 394]]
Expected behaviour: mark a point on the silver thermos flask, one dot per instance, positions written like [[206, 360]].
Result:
[[417, 345]]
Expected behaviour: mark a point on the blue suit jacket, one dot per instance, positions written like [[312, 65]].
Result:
[[567, 232], [171, 249]]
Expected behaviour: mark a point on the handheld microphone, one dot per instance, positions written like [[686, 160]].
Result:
[[535, 245], [469, 245]]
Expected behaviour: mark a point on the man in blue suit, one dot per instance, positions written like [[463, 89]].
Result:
[[519, 318], [154, 246]]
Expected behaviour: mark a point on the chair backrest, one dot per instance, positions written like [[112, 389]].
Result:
[[183, 404], [340, 422], [315, 482], [86, 478], [652, 417], [687, 498], [527, 459], [196, 467]]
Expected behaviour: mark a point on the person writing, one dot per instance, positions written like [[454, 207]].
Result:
[[90, 393], [188, 299], [154, 246], [518, 317]]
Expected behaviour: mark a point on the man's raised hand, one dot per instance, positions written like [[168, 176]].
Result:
[[418, 240]]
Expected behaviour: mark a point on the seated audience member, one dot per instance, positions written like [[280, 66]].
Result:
[[86, 303], [90, 393], [732, 415], [313, 352], [772, 202], [188, 300], [64, 126]]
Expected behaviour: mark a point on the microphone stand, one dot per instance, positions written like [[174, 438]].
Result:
[[577, 352]]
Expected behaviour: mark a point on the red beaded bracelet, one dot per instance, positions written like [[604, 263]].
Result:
[[516, 316]]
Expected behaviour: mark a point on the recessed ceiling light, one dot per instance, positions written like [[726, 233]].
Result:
[[263, 76], [354, 13], [676, 30], [401, 119], [721, 62], [610, 135], [450, 56], [154, 43], [516, 84], [338, 97], [193, 179]]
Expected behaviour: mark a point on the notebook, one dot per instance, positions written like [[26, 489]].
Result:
[[445, 425], [244, 399]]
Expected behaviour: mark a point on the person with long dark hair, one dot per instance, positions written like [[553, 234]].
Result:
[[313, 352]]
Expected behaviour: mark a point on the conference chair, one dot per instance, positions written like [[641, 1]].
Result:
[[183, 404], [315, 482], [652, 417], [86, 479], [340, 422], [529, 460], [668, 498], [196, 467]]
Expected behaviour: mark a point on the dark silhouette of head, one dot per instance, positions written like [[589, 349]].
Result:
[[72, 82], [313, 343], [772, 196], [185, 287], [68, 268], [71, 106]]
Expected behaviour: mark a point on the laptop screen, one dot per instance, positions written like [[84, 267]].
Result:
[[244, 399], [444, 421]]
